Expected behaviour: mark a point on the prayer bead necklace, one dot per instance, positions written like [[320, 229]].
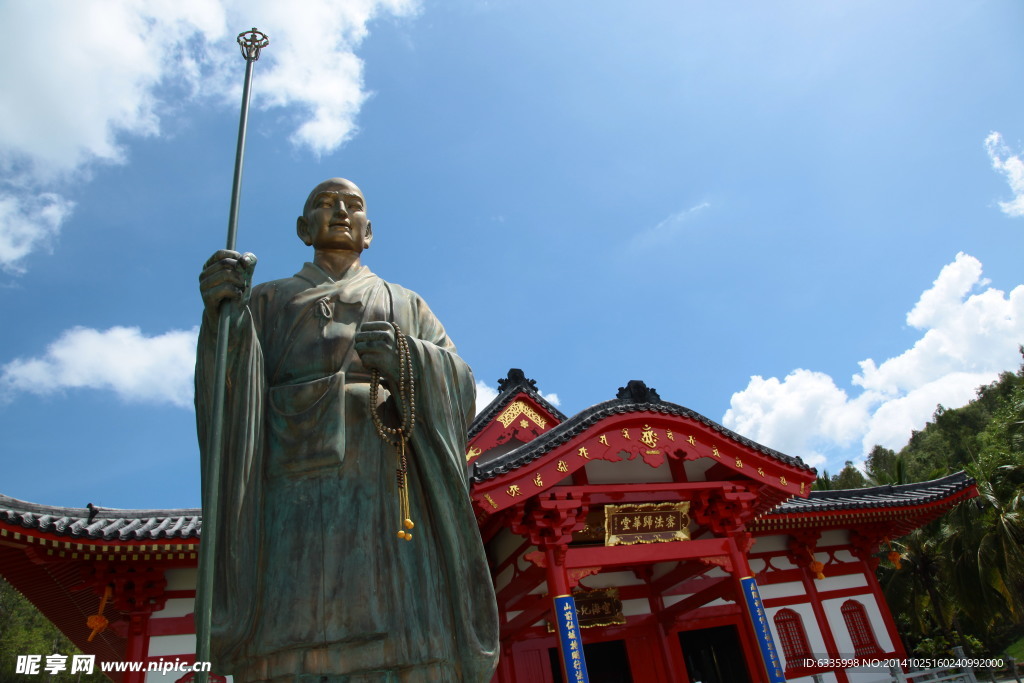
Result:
[[399, 437]]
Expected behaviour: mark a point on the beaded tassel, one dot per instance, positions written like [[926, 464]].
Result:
[[399, 437]]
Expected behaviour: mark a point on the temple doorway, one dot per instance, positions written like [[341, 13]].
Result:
[[714, 655], [607, 662]]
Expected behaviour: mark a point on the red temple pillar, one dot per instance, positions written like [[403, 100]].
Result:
[[802, 555], [657, 605], [549, 524], [137, 645], [865, 545], [137, 591]]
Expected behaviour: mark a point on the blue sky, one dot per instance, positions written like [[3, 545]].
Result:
[[805, 220]]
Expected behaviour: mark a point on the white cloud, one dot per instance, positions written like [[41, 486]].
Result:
[[666, 229], [315, 66], [970, 335], [136, 367], [1012, 167], [92, 75], [796, 414], [27, 223], [484, 395]]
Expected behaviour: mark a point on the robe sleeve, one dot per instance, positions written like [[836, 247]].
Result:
[[445, 402], [236, 582]]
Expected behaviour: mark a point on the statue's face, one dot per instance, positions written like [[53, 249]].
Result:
[[335, 217]]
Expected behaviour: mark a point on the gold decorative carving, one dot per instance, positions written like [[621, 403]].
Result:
[[562, 466], [603, 439], [490, 500], [669, 435], [513, 491], [583, 452], [692, 441], [537, 558], [537, 481], [760, 470], [646, 523], [649, 437], [473, 452], [782, 480], [581, 573], [625, 433], [517, 408], [739, 463], [714, 452]]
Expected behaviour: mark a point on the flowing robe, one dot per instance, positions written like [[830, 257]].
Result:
[[310, 576]]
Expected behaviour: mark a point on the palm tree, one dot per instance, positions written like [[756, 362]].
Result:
[[912, 589]]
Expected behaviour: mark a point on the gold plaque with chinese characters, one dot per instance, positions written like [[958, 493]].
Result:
[[646, 523], [598, 607]]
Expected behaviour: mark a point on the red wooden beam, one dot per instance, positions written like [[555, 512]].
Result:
[[622, 556], [527, 618], [718, 589], [519, 586]]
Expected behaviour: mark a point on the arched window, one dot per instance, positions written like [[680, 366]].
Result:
[[856, 618], [793, 636]]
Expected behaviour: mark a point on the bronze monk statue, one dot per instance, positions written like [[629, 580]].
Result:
[[314, 580]]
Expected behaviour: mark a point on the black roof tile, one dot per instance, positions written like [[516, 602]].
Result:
[[889, 495], [106, 524]]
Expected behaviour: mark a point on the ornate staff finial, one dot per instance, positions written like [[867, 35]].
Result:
[[251, 42]]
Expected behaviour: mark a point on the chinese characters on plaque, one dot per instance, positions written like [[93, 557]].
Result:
[[646, 523]]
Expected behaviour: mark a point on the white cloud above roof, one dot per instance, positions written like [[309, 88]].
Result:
[[971, 333], [156, 370]]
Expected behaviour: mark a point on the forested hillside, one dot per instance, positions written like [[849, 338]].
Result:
[[24, 631], [959, 580]]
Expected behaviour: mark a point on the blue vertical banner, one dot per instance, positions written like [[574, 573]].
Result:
[[764, 635], [573, 661]]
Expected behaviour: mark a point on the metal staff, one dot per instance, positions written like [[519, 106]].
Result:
[[251, 42]]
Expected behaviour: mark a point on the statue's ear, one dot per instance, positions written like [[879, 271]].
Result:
[[368, 235], [302, 230]]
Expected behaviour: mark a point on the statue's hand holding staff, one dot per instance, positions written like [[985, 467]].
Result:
[[226, 276]]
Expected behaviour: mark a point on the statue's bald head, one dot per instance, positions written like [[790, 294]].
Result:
[[332, 184], [334, 217]]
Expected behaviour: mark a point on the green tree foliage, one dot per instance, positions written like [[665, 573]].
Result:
[[849, 478], [24, 631], [962, 577]]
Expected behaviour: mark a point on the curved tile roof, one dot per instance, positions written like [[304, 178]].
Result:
[[102, 524], [888, 496], [635, 397], [111, 524]]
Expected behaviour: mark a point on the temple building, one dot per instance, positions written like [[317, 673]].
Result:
[[691, 553]]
